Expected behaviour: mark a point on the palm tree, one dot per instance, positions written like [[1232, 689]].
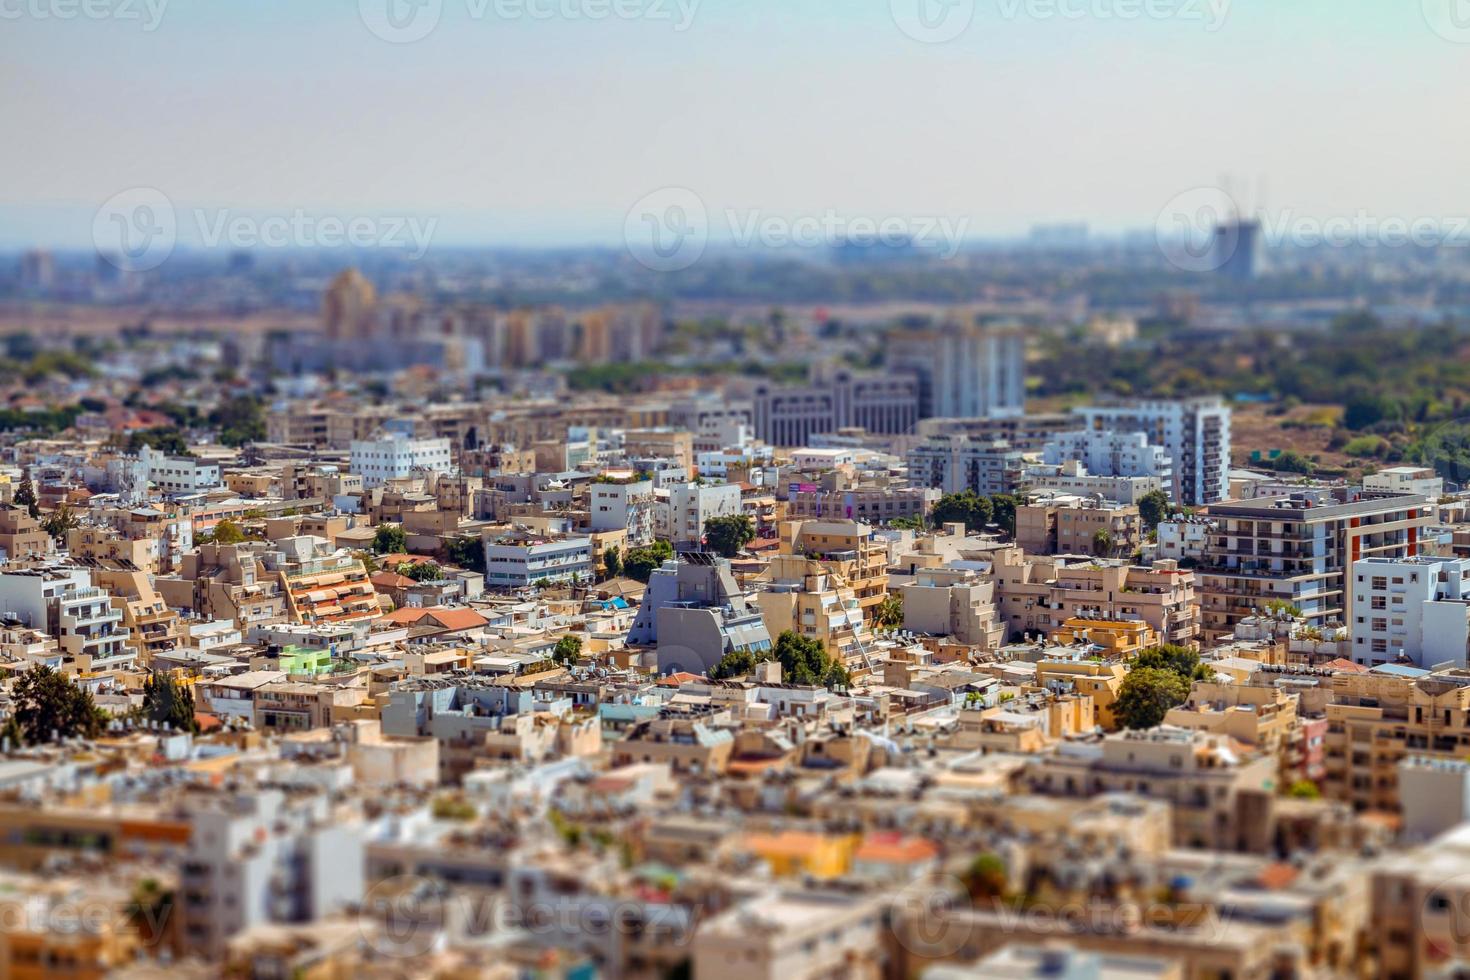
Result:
[[889, 614]]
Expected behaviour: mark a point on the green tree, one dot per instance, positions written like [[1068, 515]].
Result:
[[907, 524], [467, 551], [390, 540], [612, 561], [25, 496], [889, 614], [728, 535], [805, 661], [1153, 507], [170, 703], [420, 571], [1181, 660], [1146, 696], [736, 663], [1004, 507], [225, 532], [968, 508], [568, 649], [163, 439], [58, 522], [1304, 789], [1102, 543], [987, 877], [240, 420], [639, 563], [46, 703]]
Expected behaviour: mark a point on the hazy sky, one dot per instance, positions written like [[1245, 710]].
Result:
[[545, 130]]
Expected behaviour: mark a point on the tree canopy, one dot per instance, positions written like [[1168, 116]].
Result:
[[45, 703], [728, 535], [1146, 696]]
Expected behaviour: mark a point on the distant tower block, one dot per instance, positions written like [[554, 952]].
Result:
[[348, 305]]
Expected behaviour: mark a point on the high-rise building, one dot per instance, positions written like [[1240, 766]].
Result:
[[1237, 250], [37, 271], [964, 370], [1300, 550], [348, 306], [1418, 608], [791, 415], [1194, 431], [955, 464]]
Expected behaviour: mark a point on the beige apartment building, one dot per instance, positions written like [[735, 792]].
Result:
[[21, 535], [1063, 524], [847, 548], [1375, 721], [802, 595], [1039, 594], [1259, 716], [1099, 681], [953, 602]]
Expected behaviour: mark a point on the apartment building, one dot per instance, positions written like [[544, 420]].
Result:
[[802, 595], [62, 601], [177, 474], [873, 503], [322, 584], [226, 582], [1195, 433], [311, 481], [691, 504], [519, 558], [1218, 799], [1299, 550], [614, 505], [1051, 523], [1418, 481], [1101, 682], [1072, 477], [396, 456], [1377, 720], [790, 416], [152, 626], [955, 463], [663, 443], [1108, 453], [1040, 593], [1411, 608], [21, 536], [964, 370], [848, 549], [953, 602]]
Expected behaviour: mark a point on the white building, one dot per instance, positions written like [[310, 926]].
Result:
[[395, 456], [965, 370], [1073, 477], [1418, 607], [177, 474], [62, 602], [1107, 453], [691, 504], [521, 558], [1194, 431], [613, 506], [1420, 481], [1184, 538]]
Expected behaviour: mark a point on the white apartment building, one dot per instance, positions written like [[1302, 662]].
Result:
[[1194, 431], [394, 456], [520, 558], [1107, 453], [964, 370], [177, 474], [613, 506], [1421, 481], [1417, 607], [1186, 538], [62, 602], [691, 504], [1073, 477]]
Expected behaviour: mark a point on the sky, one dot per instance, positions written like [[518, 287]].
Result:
[[534, 122]]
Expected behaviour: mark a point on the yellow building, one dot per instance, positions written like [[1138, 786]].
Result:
[[1099, 681], [790, 853], [803, 596], [1118, 638]]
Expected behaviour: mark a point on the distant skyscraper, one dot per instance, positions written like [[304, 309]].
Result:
[[37, 271], [348, 305], [1237, 250], [965, 370]]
